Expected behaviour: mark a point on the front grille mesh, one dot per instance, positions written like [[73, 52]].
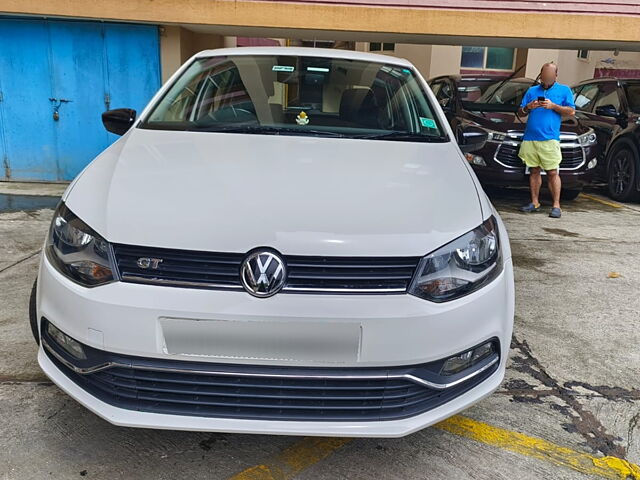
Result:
[[213, 270], [149, 385]]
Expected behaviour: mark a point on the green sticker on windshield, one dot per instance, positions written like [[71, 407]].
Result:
[[427, 122]]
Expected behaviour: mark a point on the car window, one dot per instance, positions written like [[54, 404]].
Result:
[[607, 95], [632, 91], [298, 95], [435, 87], [443, 91], [505, 93], [585, 97], [498, 95], [469, 92]]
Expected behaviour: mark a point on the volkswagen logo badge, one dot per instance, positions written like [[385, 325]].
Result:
[[263, 273]]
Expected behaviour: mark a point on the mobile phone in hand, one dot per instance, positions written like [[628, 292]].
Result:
[[541, 99]]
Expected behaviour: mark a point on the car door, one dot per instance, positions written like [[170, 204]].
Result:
[[587, 99]]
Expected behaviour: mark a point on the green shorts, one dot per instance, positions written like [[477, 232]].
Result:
[[545, 154]]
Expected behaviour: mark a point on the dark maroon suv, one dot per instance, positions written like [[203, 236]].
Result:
[[492, 103]]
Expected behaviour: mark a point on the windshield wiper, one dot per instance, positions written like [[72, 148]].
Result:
[[266, 129], [414, 137]]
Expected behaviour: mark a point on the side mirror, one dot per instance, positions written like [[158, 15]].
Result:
[[607, 111], [472, 139], [118, 121]]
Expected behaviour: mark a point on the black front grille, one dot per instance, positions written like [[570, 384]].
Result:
[[259, 392], [349, 273], [572, 157], [304, 273], [507, 154], [179, 267]]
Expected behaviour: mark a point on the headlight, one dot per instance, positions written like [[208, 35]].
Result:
[[587, 139], [460, 267], [77, 251]]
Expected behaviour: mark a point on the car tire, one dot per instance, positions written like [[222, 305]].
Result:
[[33, 315], [622, 175], [570, 193]]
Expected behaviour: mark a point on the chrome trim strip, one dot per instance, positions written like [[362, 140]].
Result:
[[357, 290], [443, 386], [406, 376], [82, 371], [177, 283]]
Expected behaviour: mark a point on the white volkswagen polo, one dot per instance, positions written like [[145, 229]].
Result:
[[285, 241]]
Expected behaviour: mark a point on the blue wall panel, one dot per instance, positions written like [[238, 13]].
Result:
[[79, 68], [25, 76]]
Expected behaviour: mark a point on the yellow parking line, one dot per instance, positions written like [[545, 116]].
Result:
[[605, 467], [310, 450], [600, 200], [292, 460]]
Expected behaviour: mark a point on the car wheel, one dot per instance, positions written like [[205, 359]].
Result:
[[622, 175], [33, 316], [570, 194]]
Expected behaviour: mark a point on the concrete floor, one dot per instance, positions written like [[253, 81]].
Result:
[[573, 377]]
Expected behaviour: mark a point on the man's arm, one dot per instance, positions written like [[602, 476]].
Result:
[[562, 110], [527, 105], [567, 109]]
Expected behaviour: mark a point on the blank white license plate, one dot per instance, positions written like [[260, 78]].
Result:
[[333, 342], [527, 171]]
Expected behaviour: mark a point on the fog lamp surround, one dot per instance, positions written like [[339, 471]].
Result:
[[468, 359], [70, 345]]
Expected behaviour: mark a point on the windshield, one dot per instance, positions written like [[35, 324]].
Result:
[[632, 91], [298, 95], [493, 96]]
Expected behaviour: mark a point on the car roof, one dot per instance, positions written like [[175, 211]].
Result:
[[307, 52], [609, 79], [497, 78]]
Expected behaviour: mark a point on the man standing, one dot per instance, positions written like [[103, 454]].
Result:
[[545, 104]]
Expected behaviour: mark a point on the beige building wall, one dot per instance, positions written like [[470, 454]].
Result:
[[430, 60], [572, 69], [178, 44], [445, 59]]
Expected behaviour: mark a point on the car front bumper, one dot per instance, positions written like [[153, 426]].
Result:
[[495, 173], [393, 331]]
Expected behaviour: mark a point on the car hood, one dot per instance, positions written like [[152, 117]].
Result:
[[299, 195], [507, 121]]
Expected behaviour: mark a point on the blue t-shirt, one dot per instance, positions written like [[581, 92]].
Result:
[[544, 124]]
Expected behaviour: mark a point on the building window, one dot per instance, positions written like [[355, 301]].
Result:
[[583, 54], [317, 43], [488, 58], [379, 47]]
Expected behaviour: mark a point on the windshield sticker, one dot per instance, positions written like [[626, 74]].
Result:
[[427, 122], [282, 68], [317, 69], [302, 119]]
